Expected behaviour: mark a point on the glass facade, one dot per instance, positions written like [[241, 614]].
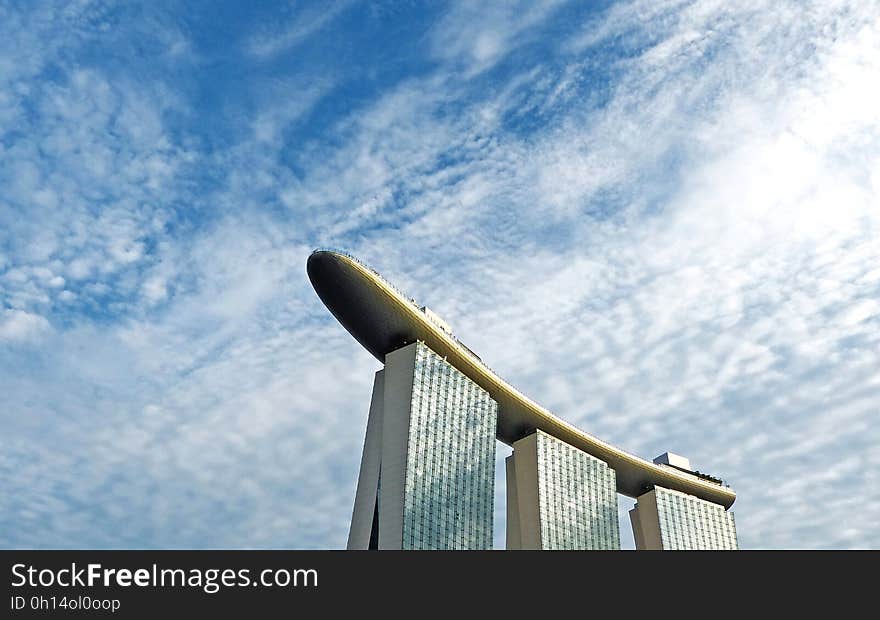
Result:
[[687, 522], [449, 486], [577, 498]]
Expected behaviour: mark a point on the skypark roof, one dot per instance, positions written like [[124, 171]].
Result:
[[382, 319]]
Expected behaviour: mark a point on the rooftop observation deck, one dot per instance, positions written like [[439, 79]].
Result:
[[382, 319]]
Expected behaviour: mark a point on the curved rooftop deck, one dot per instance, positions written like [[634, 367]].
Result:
[[382, 319]]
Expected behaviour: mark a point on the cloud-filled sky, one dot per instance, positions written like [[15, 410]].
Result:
[[658, 218]]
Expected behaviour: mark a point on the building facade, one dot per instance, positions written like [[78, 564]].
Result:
[[427, 478], [559, 497], [671, 520], [427, 472]]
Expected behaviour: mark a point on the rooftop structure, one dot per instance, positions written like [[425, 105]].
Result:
[[382, 320]]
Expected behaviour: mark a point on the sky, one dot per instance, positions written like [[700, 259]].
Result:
[[658, 218]]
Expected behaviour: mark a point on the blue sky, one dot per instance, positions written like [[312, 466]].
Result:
[[658, 218]]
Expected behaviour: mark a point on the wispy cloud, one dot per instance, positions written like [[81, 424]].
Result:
[[474, 37], [306, 23], [659, 219], [17, 325]]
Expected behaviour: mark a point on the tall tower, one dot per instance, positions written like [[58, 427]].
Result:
[[427, 472], [672, 520], [559, 497], [427, 477]]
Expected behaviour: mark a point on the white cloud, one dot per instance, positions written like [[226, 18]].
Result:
[[476, 37], [19, 326], [285, 104], [685, 260], [307, 23]]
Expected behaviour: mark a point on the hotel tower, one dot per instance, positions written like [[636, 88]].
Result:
[[427, 478]]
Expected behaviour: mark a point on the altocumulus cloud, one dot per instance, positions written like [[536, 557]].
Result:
[[660, 219]]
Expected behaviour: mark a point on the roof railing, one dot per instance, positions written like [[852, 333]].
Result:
[[368, 267], [698, 474]]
